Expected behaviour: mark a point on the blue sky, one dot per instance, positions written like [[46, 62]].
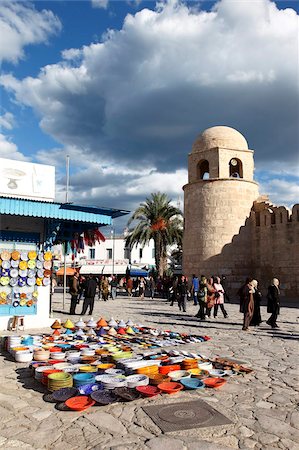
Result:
[[125, 88]]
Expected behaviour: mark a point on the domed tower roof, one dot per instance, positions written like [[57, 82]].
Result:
[[223, 137]]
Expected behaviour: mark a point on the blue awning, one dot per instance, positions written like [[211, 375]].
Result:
[[138, 273], [68, 212]]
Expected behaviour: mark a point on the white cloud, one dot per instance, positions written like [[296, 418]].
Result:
[[281, 192], [100, 4], [7, 121], [140, 97], [20, 25], [9, 150]]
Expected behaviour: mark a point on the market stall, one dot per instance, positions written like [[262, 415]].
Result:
[[28, 231]]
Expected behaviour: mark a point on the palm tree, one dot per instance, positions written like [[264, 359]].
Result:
[[157, 220]]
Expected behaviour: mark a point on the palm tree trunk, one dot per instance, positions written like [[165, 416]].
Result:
[[157, 253]]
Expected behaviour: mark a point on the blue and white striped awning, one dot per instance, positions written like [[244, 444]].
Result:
[[61, 211]]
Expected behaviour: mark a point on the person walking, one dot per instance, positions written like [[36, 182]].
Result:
[[89, 295], [174, 290], [105, 288], [74, 289], [246, 302], [273, 306], [257, 297], [211, 291], [195, 288], [142, 286], [113, 285], [129, 286], [152, 287], [219, 297], [182, 293], [202, 298]]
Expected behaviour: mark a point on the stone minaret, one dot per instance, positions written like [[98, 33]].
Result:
[[217, 200]]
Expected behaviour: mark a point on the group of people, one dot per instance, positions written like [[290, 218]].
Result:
[[250, 300], [207, 293], [87, 287]]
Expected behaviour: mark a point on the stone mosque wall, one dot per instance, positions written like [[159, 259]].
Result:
[[228, 229]]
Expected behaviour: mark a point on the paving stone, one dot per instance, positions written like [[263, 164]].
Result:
[[205, 445], [165, 443], [265, 405], [265, 438], [12, 444], [295, 419], [246, 432], [107, 421], [41, 415], [289, 445]]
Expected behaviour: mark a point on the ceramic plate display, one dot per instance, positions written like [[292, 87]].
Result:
[[217, 372], [22, 282], [23, 265], [47, 273], [214, 382], [14, 273], [32, 254], [31, 273], [80, 403], [39, 282], [192, 383], [61, 395], [40, 273], [16, 303], [148, 391], [31, 281], [47, 265], [5, 255], [4, 281], [6, 264], [13, 281], [126, 394], [87, 389], [103, 397], [24, 256], [46, 281], [15, 263], [171, 387], [15, 255], [47, 256], [31, 264], [39, 264], [23, 272]]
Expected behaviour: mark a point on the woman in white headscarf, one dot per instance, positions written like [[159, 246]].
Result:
[[273, 305], [257, 297]]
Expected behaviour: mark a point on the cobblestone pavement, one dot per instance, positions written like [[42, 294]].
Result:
[[263, 406]]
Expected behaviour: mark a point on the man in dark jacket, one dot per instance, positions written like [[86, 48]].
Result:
[[273, 305], [74, 289], [90, 292]]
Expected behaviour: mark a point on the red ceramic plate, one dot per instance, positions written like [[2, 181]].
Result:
[[148, 391], [79, 403], [214, 382], [171, 387]]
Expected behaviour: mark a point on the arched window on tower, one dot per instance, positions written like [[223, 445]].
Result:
[[203, 170], [235, 168]]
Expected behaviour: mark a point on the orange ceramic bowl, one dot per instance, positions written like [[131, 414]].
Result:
[[171, 387], [164, 370]]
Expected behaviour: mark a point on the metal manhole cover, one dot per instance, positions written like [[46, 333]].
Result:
[[185, 415]]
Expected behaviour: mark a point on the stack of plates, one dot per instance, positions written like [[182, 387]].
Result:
[[205, 365], [176, 375], [111, 382], [192, 383], [83, 378], [149, 370], [38, 373], [137, 380], [63, 394], [188, 364], [46, 373], [59, 380]]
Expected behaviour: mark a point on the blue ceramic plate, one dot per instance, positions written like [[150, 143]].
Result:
[[192, 383], [87, 389]]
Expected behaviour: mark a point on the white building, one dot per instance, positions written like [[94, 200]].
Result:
[[111, 256]]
